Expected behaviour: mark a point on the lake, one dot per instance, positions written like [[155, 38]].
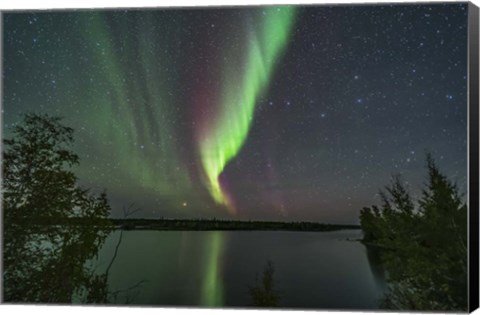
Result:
[[322, 270]]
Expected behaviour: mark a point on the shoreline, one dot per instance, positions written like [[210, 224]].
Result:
[[225, 225], [196, 225]]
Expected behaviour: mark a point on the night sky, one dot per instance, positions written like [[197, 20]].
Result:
[[279, 113]]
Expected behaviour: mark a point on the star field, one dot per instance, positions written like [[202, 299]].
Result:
[[296, 113]]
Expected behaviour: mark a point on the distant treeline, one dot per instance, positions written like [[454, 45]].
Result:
[[215, 224], [198, 224]]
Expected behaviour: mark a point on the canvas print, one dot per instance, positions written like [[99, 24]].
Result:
[[294, 157]]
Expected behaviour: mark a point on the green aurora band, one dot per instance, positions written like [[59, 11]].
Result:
[[142, 151], [243, 88]]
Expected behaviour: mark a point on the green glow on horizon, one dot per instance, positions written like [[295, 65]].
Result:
[[242, 90]]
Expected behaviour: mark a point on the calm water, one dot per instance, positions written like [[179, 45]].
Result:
[[190, 268]]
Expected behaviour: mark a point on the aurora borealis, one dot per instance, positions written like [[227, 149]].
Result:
[[278, 113], [220, 144]]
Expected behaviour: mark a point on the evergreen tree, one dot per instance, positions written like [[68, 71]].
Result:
[[264, 294], [424, 247]]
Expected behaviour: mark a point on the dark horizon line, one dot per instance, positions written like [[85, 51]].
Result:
[[223, 219], [194, 224], [223, 224]]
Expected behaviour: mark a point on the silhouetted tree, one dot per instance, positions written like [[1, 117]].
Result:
[[264, 294], [425, 251], [43, 254]]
